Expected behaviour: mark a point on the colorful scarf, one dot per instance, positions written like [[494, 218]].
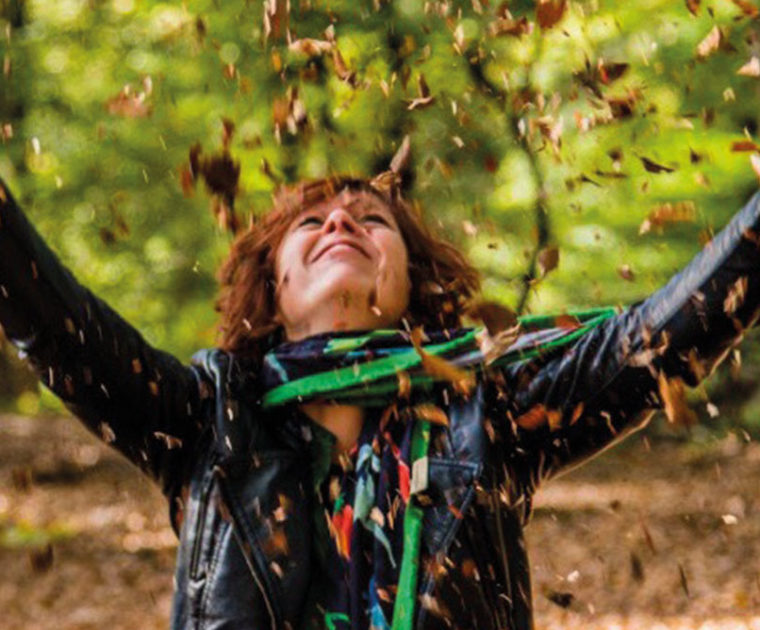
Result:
[[371, 369]]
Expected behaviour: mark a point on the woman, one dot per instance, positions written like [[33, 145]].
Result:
[[323, 471]]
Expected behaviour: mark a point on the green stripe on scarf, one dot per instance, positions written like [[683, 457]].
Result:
[[406, 596], [369, 383]]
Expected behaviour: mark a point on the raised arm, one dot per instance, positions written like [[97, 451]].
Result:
[[570, 404], [142, 401]]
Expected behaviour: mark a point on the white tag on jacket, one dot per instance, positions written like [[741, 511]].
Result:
[[419, 482]]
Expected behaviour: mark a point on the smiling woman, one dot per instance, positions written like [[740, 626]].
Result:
[[274, 263], [325, 471]]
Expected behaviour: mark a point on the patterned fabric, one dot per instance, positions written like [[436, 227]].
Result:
[[370, 546], [366, 537], [370, 368]]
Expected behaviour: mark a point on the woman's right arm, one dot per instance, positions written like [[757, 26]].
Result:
[[142, 401]]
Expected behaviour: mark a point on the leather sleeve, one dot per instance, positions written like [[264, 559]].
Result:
[[142, 401], [570, 404]]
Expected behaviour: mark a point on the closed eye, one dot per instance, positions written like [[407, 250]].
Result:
[[312, 220], [376, 218]]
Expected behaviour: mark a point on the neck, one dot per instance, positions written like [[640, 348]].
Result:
[[343, 421], [342, 312]]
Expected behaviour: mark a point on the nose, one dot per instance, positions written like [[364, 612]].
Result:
[[340, 220]]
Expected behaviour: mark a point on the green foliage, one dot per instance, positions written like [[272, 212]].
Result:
[[530, 140]]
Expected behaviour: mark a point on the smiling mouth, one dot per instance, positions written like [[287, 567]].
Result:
[[341, 245]]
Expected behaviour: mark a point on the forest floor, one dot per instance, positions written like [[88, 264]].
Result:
[[661, 536]]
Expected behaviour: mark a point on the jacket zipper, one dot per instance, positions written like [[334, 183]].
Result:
[[200, 528], [248, 549]]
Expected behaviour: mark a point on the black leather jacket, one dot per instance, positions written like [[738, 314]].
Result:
[[226, 467]]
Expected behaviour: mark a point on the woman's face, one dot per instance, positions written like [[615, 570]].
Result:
[[342, 265]]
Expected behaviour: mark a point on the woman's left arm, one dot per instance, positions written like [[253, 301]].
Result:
[[568, 405]]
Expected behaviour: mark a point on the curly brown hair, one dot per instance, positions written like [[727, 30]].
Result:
[[442, 280]]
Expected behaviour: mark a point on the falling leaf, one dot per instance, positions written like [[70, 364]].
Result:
[[754, 160], [693, 6], [653, 167], [424, 98], [735, 296], [402, 158], [567, 322], [495, 317], [548, 259], [129, 104], [469, 228], [549, 12], [440, 368], [747, 8], [341, 69], [538, 416], [276, 18], [171, 442], [672, 393], [744, 145], [626, 273], [310, 47], [511, 27], [710, 43], [751, 68]]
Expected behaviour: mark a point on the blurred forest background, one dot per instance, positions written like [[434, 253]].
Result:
[[579, 151]]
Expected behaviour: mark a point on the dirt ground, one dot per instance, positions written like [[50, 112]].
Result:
[[662, 537]]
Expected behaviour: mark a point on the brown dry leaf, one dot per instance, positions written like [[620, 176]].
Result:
[[221, 173], [277, 543], [341, 69], [431, 413], [667, 213], [310, 47], [495, 317], [609, 72], [577, 413], [747, 8], [673, 395], [511, 27], [693, 6], [532, 419], [424, 98], [276, 18], [187, 181], [744, 145], [751, 68], [548, 259], [653, 167], [711, 43], [402, 157], [549, 12], [626, 273], [404, 384], [439, 368], [737, 292], [129, 104], [567, 322]]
